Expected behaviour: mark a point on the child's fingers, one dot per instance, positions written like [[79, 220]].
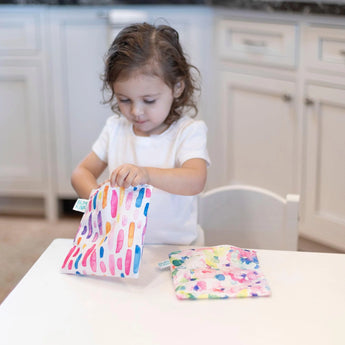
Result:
[[120, 177], [127, 175], [130, 178], [123, 176], [136, 181], [113, 178]]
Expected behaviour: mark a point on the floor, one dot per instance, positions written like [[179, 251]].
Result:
[[23, 240]]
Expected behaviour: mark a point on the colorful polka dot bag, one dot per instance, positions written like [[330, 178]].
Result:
[[110, 238], [217, 272]]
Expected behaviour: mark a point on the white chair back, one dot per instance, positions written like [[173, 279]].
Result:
[[249, 217]]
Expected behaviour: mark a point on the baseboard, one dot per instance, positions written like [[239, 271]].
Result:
[[306, 244], [25, 206]]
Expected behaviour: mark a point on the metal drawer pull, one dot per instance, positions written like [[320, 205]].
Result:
[[308, 101], [342, 52], [253, 43], [286, 97]]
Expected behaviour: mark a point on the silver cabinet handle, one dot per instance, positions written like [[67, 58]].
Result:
[[253, 43], [308, 101], [286, 97]]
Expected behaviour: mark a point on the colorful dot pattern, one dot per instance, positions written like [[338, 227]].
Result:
[[110, 238], [217, 272]]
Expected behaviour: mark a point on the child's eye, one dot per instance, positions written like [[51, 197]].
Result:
[[149, 101], [124, 100]]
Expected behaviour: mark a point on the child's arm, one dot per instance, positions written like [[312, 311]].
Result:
[[190, 179], [84, 176]]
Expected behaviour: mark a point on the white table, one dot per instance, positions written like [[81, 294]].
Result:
[[307, 305]]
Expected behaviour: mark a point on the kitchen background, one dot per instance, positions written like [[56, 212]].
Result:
[[273, 97]]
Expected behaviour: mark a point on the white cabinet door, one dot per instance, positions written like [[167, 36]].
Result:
[[80, 43], [259, 142], [22, 148], [323, 216]]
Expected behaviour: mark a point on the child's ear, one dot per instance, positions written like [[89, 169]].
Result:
[[178, 88]]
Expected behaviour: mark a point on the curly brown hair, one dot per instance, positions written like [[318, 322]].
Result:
[[153, 50]]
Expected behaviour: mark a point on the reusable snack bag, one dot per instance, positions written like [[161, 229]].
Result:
[[217, 272], [110, 238]]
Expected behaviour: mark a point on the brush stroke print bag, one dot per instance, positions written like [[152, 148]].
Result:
[[110, 238]]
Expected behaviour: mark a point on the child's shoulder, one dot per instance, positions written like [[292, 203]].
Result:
[[116, 122], [186, 123]]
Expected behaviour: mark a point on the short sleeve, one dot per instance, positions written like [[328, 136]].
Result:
[[101, 145], [193, 142]]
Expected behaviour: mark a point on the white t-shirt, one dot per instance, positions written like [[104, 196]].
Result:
[[172, 219]]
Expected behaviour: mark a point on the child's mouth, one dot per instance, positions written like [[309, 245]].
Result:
[[139, 122]]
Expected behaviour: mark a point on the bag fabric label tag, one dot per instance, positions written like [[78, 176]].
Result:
[[164, 264], [80, 205]]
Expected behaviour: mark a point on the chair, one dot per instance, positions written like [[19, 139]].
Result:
[[249, 217]]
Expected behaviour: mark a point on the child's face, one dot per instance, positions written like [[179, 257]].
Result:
[[145, 100]]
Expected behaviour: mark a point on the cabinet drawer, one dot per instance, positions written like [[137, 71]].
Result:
[[325, 48], [257, 42], [19, 33]]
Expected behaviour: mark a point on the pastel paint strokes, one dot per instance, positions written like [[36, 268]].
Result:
[[131, 234], [84, 230], [139, 199], [103, 267], [107, 227], [120, 238], [95, 200], [217, 272], [68, 256], [95, 237], [129, 200], [110, 236], [105, 197], [119, 264], [76, 263], [99, 219], [137, 256], [90, 227], [112, 264], [128, 261], [93, 261], [114, 201], [87, 254], [122, 195], [111, 241]]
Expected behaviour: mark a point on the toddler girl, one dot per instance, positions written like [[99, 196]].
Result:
[[151, 140]]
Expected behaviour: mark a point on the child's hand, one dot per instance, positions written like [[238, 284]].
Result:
[[129, 175]]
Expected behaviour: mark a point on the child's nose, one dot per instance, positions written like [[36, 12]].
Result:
[[136, 109]]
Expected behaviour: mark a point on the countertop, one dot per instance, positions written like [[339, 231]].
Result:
[[327, 7]]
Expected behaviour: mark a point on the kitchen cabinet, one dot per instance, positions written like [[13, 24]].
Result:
[[21, 125], [281, 99], [23, 122], [257, 105], [260, 129], [323, 213], [323, 216], [79, 40]]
